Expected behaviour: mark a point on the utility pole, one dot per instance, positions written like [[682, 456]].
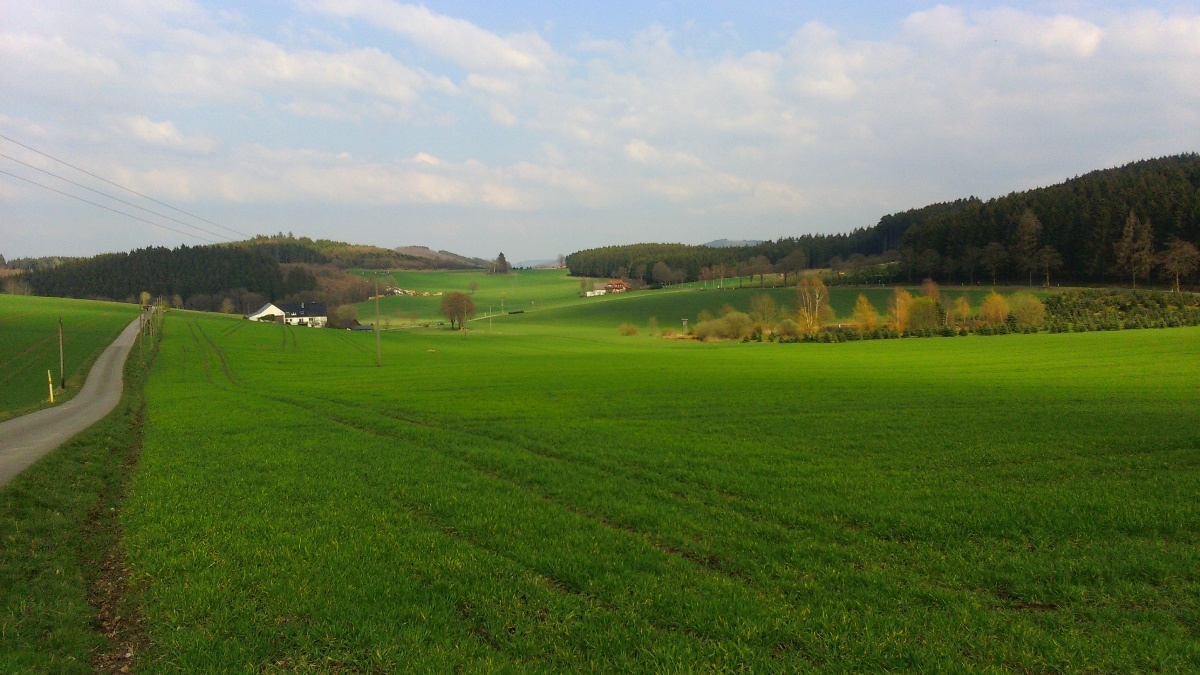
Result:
[[489, 318], [378, 349], [62, 372]]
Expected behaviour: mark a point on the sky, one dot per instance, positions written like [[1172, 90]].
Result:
[[539, 128]]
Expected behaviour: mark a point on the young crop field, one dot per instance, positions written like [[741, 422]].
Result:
[[531, 501], [29, 344], [519, 290], [536, 291]]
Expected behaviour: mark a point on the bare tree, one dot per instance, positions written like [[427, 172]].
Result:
[[457, 307], [760, 265], [792, 263], [763, 310], [473, 286], [1047, 258], [1181, 259], [1135, 250]]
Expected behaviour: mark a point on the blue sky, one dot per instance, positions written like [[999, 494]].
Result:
[[540, 128]]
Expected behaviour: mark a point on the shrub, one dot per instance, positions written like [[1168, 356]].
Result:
[[788, 328], [652, 325], [1027, 309], [737, 324], [923, 313], [627, 329]]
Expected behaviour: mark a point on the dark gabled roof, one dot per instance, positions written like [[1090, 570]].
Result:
[[302, 308]]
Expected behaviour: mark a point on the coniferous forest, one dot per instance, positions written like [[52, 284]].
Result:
[[184, 272], [1070, 232]]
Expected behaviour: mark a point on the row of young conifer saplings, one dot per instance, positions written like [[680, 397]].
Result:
[[930, 313]]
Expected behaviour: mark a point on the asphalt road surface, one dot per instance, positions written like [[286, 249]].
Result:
[[24, 439]]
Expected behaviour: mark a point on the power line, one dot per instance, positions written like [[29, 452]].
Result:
[[105, 194], [128, 215], [11, 140]]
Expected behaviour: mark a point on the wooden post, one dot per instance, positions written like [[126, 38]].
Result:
[[50, 380], [62, 372]]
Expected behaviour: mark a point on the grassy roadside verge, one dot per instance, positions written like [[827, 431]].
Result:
[[60, 575]]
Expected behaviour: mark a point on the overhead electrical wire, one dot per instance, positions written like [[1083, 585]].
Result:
[[118, 199], [128, 215], [191, 215]]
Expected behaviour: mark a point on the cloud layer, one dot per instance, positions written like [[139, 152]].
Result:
[[419, 127]]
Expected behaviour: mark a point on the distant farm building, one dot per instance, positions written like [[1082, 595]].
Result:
[[310, 314], [616, 286]]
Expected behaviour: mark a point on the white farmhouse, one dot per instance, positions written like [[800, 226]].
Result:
[[310, 314]]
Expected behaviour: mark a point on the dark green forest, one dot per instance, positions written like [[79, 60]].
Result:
[[184, 271], [1073, 235]]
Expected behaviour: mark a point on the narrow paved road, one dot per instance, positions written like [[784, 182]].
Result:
[[23, 440]]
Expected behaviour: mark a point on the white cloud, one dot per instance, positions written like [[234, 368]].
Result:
[[820, 131], [162, 134], [456, 40]]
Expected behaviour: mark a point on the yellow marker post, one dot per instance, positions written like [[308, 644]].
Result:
[[50, 379]]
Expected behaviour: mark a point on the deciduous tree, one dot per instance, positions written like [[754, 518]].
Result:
[[923, 313], [792, 263], [899, 310], [993, 258], [763, 310], [1135, 250], [812, 298], [457, 307], [1027, 242], [865, 317], [995, 309], [1047, 258], [962, 309], [1181, 259]]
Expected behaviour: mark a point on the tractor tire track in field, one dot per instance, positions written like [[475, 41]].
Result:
[[715, 500], [201, 353], [710, 562], [700, 560], [220, 356], [549, 579], [235, 328]]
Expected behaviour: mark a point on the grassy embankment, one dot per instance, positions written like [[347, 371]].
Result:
[[29, 345], [526, 502], [61, 604]]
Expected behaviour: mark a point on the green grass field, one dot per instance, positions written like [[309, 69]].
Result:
[[550, 297], [552, 496], [520, 290], [29, 344]]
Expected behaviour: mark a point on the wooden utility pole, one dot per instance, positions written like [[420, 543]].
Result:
[[62, 371], [378, 349]]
